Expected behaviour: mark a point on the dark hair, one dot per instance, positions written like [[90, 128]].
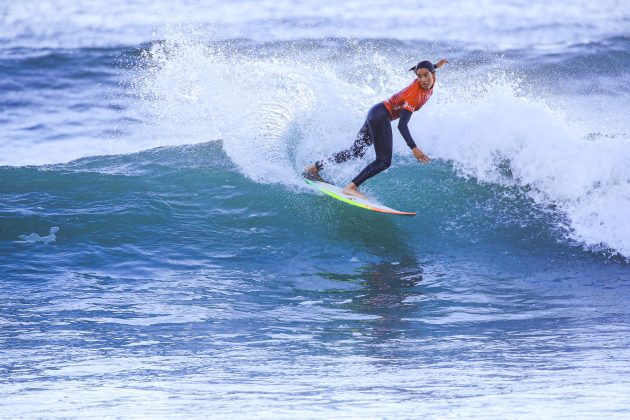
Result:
[[423, 65]]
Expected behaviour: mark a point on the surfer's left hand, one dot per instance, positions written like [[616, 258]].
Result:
[[419, 154], [441, 63]]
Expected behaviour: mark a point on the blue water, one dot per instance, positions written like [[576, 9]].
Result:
[[194, 273]]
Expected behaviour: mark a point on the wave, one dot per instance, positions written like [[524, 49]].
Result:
[[276, 112], [277, 107], [196, 192]]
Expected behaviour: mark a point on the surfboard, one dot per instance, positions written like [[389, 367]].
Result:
[[337, 193]]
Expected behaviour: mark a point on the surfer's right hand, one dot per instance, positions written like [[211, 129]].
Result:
[[419, 154]]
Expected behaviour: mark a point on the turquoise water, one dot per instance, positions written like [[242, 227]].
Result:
[[175, 279], [194, 273]]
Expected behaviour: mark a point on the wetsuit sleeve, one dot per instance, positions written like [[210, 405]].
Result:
[[405, 115]]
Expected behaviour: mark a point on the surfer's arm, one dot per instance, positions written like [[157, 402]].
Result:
[[440, 63], [405, 115]]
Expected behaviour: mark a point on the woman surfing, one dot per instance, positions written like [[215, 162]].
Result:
[[377, 129]]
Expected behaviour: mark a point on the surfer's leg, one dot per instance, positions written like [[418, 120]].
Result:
[[381, 134], [356, 151], [358, 148]]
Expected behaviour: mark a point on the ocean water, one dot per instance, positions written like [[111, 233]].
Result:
[[160, 255]]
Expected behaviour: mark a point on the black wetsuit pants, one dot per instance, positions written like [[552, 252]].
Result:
[[376, 130]]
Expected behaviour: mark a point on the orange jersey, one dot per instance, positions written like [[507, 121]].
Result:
[[410, 98]]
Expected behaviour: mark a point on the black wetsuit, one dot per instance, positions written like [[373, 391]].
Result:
[[376, 130]]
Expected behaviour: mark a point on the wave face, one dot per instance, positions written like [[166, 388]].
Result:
[[158, 245]]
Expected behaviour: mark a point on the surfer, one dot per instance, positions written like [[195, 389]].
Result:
[[377, 129]]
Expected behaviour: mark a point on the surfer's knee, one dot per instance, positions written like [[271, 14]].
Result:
[[384, 163]]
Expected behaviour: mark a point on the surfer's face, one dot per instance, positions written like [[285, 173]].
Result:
[[425, 78]]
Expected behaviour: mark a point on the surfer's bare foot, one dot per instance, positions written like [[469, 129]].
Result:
[[353, 190], [312, 170], [312, 173]]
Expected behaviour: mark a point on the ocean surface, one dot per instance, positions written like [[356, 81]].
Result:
[[161, 257]]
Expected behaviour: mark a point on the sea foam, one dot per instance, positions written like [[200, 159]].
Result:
[[498, 134]]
